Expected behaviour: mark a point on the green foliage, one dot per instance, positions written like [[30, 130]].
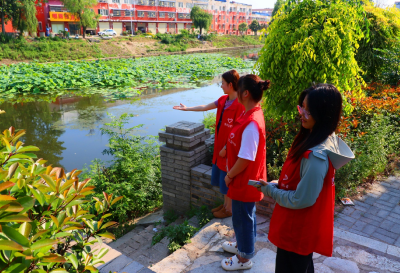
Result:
[[24, 16], [134, 171], [170, 216], [311, 41], [255, 26], [372, 150], [203, 215], [161, 72], [44, 227], [278, 5], [384, 33], [83, 9], [5, 38], [200, 18], [243, 27], [209, 121], [389, 70], [178, 235]]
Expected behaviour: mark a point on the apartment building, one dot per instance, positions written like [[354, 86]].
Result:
[[155, 16], [397, 4]]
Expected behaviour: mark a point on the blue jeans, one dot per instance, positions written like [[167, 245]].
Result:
[[218, 179], [244, 224]]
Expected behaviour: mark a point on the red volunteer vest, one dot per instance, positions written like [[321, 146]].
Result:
[[230, 115], [239, 189], [304, 230]]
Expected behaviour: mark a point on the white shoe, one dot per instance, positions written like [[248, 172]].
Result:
[[233, 263], [230, 247]]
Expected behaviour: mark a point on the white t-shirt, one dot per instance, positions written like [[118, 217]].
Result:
[[249, 145]]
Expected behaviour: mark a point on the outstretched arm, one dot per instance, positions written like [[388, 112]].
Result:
[[206, 107]]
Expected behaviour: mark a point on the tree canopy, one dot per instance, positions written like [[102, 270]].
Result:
[[255, 26], [200, 18], [83, 10], [311, 41], [243, 27], [24, 16]]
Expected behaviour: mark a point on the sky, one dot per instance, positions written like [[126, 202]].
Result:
[[259, 4]]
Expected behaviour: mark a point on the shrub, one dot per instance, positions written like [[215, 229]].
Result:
[[134, 171], [44, 227], [306, 44]]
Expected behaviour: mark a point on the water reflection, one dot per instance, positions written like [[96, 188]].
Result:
[[67, 129]]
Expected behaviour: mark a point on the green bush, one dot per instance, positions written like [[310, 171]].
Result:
[[311, 41], [134, 171], [44, 227]]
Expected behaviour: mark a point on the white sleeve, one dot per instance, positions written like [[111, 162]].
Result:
[[250, 139]]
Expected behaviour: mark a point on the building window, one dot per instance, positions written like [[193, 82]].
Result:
[[115, 1], [116, 12], [143, 2], [183, 15], [40, 26], [216, 19], [171, 15], [103, 11], [58, 9], [152, 2], [128, 13], [167, 4], [180, 4], [151, 14], [140, 14], [161, 14]]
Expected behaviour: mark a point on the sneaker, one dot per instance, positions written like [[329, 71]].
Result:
[[222, 213], [233, 263], [230, 247], [217, 208]]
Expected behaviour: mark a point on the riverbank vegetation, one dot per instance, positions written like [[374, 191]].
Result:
[[47, 49], [119, 78]]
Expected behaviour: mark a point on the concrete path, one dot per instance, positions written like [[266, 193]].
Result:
[[357, 249]]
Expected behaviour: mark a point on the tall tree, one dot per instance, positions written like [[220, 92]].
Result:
[[6, 9], [82, 9], [24, 16], [200, 18], [243, 28], [255, 26]]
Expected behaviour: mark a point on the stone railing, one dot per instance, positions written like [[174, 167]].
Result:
[[186, 179]]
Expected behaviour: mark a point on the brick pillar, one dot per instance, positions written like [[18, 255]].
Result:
[[184, 148]]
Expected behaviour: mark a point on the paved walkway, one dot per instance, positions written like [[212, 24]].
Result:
[[376, 215], [366, 241]]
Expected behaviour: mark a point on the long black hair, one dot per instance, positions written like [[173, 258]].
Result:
[[254, 84], [325, 106]]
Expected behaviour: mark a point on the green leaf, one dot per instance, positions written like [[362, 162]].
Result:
[[38, 195], [15, 218], [102, 252], [43, 243], [73, 260], [28, 149], [107, 235], [27, 202], [15, 236], [25, 229], [10, 245], [49, 181]]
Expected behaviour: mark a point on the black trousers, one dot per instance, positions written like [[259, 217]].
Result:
[[290, 262]]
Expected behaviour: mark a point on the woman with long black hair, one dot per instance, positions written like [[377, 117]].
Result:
[[302, 221]]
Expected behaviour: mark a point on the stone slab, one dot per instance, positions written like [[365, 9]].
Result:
[[361, 240], [341, 265], [176, 262], [116, 264], [133, 267], [151, 218]]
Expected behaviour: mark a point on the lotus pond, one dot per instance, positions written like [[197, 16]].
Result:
[[65, 123]]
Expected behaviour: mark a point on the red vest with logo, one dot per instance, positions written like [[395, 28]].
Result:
[[230, 115], [307, 230], [239, 189]]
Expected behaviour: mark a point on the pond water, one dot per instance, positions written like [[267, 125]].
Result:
[[67, 130]]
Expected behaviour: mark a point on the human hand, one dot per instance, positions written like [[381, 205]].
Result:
[[180, 107], [222, 153], [227, 180]]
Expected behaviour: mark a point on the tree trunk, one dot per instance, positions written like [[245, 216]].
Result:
[[201, 30], [84, 32], [3, 25]]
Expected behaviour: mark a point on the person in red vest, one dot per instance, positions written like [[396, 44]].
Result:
[[302, 221], [228, 110], [246, 159]]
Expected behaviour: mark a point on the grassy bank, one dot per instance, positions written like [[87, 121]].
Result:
[[56, 49]]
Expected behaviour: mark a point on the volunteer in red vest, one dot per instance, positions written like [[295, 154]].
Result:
[[246, 159], [302, 221], [228, 110]]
